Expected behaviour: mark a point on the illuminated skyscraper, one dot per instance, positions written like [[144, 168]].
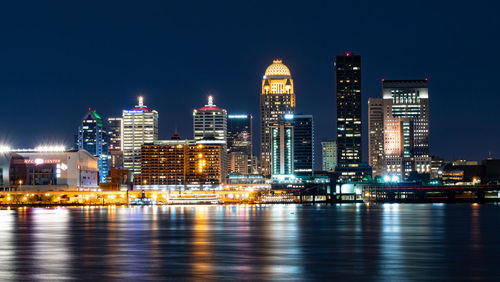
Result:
[[210, 122], [276, 100], [376, 135], [140, 125], [239, 143], [91, 134], [115, 128], [93, 138], [329, 155], [406, 127], [348, 96], [282, 148], [303, 148]]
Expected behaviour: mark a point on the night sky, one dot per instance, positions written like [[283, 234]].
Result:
[[58, 59]]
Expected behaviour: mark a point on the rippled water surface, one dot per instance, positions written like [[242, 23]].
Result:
[[293, 242]]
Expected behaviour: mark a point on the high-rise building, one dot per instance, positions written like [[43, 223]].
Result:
[[406, 127], [93, 137], [348, 97], [376, 135], [282, 149], [239, 144], [277, 99], [115, 128], [91, 134], [303, 148], [329, 155], [140, 125], [210, 122]]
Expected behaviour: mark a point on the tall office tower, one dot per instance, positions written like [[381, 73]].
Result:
[[282, 149], [376, 135], [140, 125], [115, 128], [303, 144], [406, 127], [277, 99], [210, 122], [348, 96], [93, 138], [239, 144], [329, 155], [91, 134]]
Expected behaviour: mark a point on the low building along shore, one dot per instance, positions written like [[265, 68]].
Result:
[[48, 170]]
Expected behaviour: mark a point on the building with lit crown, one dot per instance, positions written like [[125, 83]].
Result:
[[348, 97], [210, 122], [277, 99], [93, 137], [406, 127], [140, 125]]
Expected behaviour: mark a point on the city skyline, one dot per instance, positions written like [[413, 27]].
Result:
[[317, 154], [249, 140], [108, 77]]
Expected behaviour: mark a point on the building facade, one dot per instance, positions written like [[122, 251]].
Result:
[[36, 170], [171, 164], [329, 155], [277, 99], [303, 148], [282, 149], [140, 125], [348, 98], [239, 144], [353, 172], [115, 129], [406, 127], [376, 135], [210, 122], [436, 164], [93, 137]]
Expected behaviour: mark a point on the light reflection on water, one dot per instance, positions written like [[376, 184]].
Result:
[[246, 242]]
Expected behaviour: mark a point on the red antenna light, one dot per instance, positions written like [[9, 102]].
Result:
[[383, 79]]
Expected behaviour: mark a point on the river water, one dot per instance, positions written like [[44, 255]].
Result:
[[404, 242]]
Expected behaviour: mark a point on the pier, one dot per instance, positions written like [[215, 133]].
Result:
[[431, 193]]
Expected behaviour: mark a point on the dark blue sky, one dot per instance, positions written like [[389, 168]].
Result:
[[58, 59]]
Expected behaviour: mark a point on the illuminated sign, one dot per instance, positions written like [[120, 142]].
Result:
[[42, 161]]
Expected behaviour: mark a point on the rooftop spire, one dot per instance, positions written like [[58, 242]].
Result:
[[141, 101]]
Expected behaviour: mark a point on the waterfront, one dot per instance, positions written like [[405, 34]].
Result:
[[252, 242]]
